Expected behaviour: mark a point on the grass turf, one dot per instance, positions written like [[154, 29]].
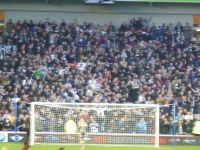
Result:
[[18, 146]]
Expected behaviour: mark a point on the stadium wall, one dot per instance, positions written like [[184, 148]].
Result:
[[98, 18], [164, 139]]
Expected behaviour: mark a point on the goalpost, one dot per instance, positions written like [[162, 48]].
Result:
[[107, 124]]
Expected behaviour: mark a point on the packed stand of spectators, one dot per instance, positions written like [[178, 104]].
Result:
[[99, 119], [88, 63]]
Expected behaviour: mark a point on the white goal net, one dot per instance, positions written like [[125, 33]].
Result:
[[110, 124]]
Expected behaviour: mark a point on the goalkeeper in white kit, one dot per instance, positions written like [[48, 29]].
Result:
[[82, 130]]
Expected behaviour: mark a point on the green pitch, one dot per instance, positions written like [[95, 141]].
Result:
[[17, 146]]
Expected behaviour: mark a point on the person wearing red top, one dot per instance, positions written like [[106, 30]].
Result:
[[26, 146]]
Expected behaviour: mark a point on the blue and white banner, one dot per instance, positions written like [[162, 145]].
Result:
[[19, 137], [3, 137]]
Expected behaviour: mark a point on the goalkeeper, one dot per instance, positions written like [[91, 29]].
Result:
[[82, 130]]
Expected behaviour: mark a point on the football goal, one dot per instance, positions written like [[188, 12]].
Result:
[[105, 124]]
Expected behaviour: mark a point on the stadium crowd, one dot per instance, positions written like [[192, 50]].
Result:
[[99, 119], [89, 63]]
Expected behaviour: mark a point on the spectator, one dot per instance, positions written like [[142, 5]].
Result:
[[164, 125], [70, 127], [94, 127], [141, 126], [68, 62]]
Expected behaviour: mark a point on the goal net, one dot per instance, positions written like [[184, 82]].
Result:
[[108, 124]]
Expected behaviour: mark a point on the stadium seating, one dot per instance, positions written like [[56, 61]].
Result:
[[88, 63]]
